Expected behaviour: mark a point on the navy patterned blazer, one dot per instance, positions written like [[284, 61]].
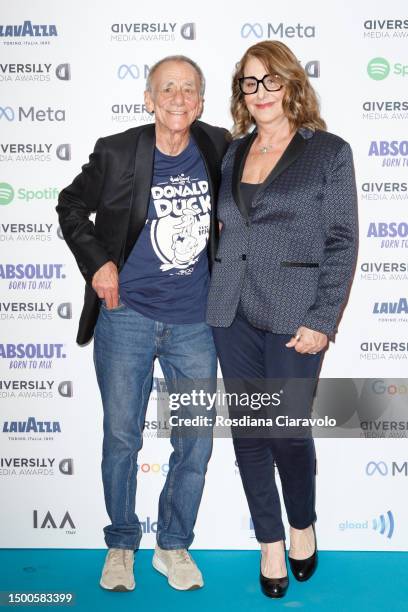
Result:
[[290, 261]]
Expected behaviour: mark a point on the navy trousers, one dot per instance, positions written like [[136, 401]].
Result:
[[247, 356]]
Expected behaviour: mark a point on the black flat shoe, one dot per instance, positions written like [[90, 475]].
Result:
[[273, 587], [303, 569]]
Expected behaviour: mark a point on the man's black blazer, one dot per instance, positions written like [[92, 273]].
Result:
[[115, 184]]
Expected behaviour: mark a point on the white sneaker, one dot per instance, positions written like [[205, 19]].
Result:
[[117, 573], [179, 567]]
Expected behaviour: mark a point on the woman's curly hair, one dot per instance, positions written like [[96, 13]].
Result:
[[300, 103]]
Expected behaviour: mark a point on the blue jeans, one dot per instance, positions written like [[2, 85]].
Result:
[[125, 347]]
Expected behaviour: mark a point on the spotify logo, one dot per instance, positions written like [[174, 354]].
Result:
[[378, 69], [6, 193]]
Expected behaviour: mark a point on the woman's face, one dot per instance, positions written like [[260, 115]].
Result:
[[264, 106]]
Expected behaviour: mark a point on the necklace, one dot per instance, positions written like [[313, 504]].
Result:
[[266, 148]]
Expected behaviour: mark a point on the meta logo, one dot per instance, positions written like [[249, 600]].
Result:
[[28, 29], [48, 522], [392, 234], [385, 28], [34, 152], [381, 468], [34, 72], [132, 71], [399, 307], [31, 425], [280, 30], [152, 32], [384, 191], [380, 68], [32, 114], [385, 524]]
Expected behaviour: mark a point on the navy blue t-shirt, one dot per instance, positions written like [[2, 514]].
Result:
[[166, 274]]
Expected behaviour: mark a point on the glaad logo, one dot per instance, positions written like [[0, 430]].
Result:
[[38, 73], [381, 468], [280, 30], [384, 524], [149, 526], [48, 521], [6, 194], [386, 28], [152, 32], [31, 114], [379, 69]]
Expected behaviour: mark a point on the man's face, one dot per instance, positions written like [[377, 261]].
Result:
[[175, 96]]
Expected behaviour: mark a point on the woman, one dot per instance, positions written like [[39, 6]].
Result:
[[281, 276]]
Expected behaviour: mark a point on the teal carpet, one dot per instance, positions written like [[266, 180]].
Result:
[[363, 581]]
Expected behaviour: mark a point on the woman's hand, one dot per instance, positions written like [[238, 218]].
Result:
[[308, 341]]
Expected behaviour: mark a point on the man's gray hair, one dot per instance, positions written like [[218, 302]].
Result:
[[176, 58]]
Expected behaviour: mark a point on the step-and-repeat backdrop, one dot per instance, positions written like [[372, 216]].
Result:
[[70, 74]]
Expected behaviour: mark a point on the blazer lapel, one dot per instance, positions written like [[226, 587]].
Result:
[[295, 148], [142, 179], [238, 168]]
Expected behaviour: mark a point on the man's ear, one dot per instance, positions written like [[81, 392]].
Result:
[[148, 100]]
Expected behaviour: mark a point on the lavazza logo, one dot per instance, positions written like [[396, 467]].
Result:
[[29, 232], [385, 28], [34, 152], [34, 115], [164, 31], [38, 73], [38, 311], [395, 311], [384, 271], [381, 110], [277, 30], [27, 34], [32, 276], [130, 113], [389, 153], [384, 190], [31, 429], [36, 466], [383, 350], [30, 356], [391, 235], [30, 389]]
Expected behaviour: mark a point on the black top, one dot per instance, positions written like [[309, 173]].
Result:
[[248, 191]]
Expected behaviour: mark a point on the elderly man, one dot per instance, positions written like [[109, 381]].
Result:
[[146, 265]]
